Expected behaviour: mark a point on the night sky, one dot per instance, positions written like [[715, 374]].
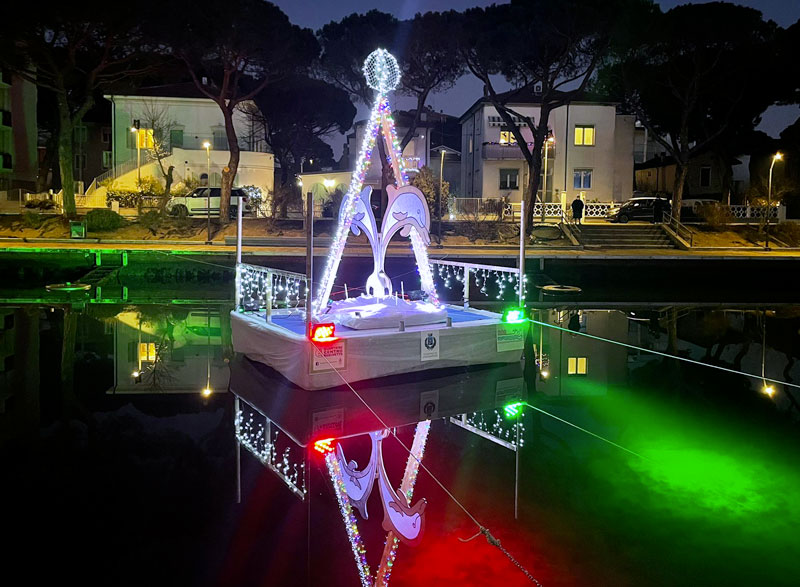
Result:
[[314, 14]]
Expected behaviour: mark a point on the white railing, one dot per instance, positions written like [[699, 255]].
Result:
[[119, 170], [264, 288], [596, 209], [744, 212], [491, 280]]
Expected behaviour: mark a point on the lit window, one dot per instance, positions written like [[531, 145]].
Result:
[[509, 179], [506, 136], [145, 136], [147, 351], [584, 134], [576, 366], [582, 179]]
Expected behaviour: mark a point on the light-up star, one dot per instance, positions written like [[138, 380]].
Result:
[[382, 71]]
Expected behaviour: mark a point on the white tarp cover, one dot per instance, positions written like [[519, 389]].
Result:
[[368, 312], [369, 354]]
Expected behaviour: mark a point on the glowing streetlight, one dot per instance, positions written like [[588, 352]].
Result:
[[776, 157], [768, 390]]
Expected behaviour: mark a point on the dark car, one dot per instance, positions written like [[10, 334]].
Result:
[[640, 208]]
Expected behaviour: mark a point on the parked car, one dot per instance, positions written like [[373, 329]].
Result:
[[639, 208], [200, 202]]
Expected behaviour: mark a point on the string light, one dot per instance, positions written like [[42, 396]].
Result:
[[383, 74], [350, 522], [253, 435], [254, 285]]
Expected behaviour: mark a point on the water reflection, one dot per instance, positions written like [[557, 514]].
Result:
[[153, 479]]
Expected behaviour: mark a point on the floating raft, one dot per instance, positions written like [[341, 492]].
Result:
[[474, 337]]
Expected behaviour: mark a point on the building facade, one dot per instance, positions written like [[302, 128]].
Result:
[[192, 120], [18, 133], [592, 152]]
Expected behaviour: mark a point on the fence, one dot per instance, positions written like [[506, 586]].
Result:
[[749, 213], [263, 288], [497, 277]]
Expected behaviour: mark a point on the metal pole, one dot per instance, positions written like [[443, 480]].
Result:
[[239, 230], [516, 473], [522, 251], [238, 451], [769, 205], [544, 178], [441, 177], [309, 254], [138, 159], [208, 194]]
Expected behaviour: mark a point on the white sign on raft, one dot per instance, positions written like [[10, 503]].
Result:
[[329, 357], [429, 345], [510, 337]]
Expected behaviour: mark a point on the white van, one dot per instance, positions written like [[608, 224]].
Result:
[[204, 202]]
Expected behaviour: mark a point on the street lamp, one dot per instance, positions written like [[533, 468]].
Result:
[[441, 178], [776, 157], [549, 141], [207, 147], [135, 130]]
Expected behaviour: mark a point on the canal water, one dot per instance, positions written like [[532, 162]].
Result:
[[614, 464]]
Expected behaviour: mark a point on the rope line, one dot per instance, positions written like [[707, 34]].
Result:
[[667, 355], [483, 530], [589, 432]]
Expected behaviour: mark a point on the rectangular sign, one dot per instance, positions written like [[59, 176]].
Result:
[[429, 345], [510, 337], [508, 391], [327, 423], [329, 356]]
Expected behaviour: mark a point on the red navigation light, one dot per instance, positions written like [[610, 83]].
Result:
[[322, 332], [323, 446]]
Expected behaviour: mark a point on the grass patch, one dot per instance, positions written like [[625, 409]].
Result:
[[103, 220]]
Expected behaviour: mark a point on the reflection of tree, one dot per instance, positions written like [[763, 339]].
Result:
[[161, 374]]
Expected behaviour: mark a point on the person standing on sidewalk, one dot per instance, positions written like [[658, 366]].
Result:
[[658, 210], [577, 209]]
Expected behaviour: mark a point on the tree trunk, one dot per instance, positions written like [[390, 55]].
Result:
[[534, 179], [229, 172], [68, 363], [65, 156], [48, 163], [677, 189]]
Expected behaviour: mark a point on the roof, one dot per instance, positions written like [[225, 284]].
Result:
[[526, 96], [179, 90]]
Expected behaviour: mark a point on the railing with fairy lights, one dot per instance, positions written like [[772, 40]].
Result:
[[264, 288], [502, 426], [490, 280], [270, 445]]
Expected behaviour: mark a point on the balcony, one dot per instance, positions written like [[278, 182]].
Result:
[[500, 151], [5, 118]]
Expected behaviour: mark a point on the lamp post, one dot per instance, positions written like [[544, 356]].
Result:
[[776, 157], [547, 144], [441, 182], [207, 147], [135, 130]]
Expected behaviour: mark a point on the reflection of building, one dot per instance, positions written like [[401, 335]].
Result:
[[177, 355], [579, 365]]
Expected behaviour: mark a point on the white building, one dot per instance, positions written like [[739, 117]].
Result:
[[195, 120], [593, 152]]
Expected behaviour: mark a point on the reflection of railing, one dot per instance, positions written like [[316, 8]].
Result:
[[499, 278], [264, 288], [272, 446]]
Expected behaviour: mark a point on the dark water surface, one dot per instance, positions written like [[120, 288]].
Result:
[[114, 478]]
